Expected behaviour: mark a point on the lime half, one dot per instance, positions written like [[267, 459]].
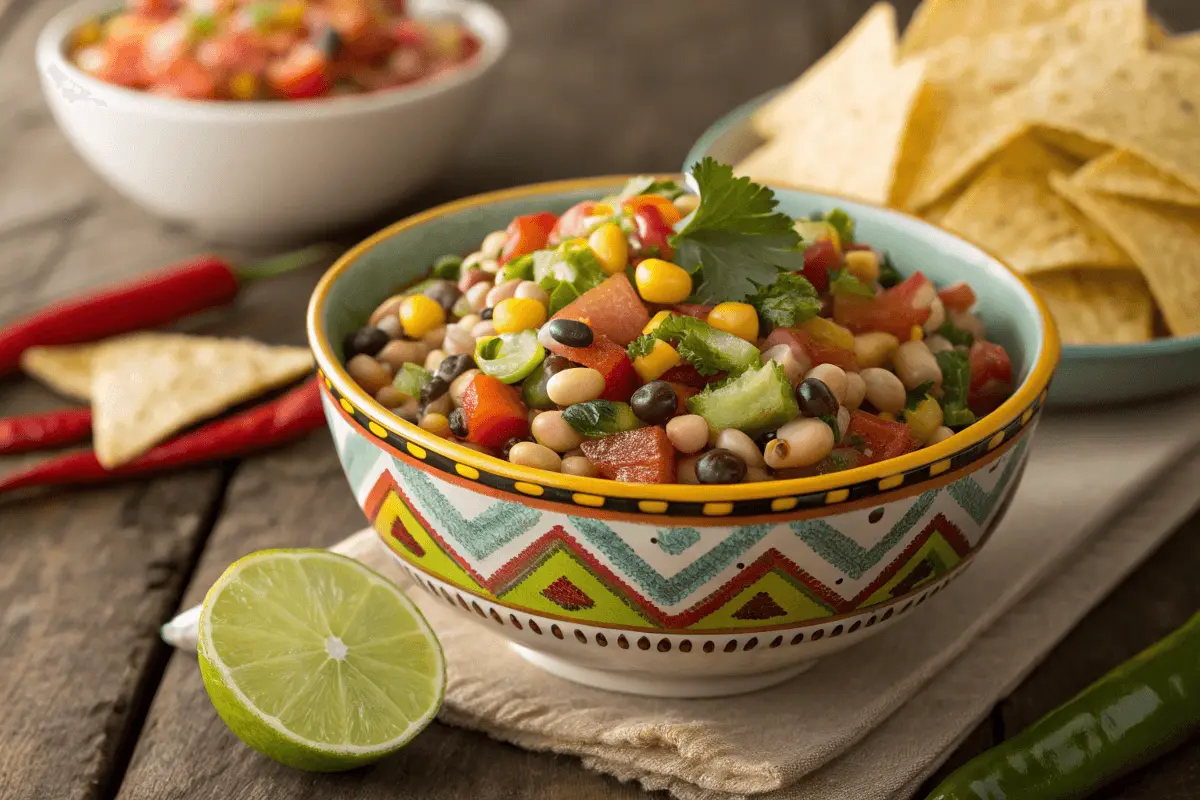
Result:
[[316, 661]]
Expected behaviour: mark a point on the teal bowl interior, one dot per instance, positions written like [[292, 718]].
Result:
[[1088, 375], [1011, 314]]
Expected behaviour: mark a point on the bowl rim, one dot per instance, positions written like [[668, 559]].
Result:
[[1162, 346], [1019, 405], [484, 20]]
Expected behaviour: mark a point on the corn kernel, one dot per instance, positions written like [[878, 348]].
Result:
[[244, 86], [655, 321], [88, 33], [290, 14], [602, 210], [610, 247], [829, 332], [917, 333], [887, 416], [924, 420], [419, 315], [864, 265], [739, 319], [661, 281], [518, 314], [660, 359]]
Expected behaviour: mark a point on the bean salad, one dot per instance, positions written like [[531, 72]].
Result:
[[599, 343]]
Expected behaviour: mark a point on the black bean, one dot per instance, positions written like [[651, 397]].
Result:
[[487, 313], [513, 442], [815, 398], [453, 366], [720, 466], [367, 340], [328, 41], [571, 332], [654, 403], [444, 293], [434, 388], [458, 423]]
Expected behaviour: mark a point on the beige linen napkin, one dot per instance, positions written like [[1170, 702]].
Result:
[[873, 721]]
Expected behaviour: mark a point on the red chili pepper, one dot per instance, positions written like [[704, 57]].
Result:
[[281, 420], [42, 431], [150, 301]]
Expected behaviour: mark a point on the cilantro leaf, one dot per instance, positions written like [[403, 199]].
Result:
[[914, 397], [735, 239], [889, 276], [704, 347], [956, 384], [843, 283], [843, 224], [787, 302], [832, 422], [955, 335]]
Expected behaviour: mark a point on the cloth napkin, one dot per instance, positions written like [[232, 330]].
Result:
[[1100, 492]]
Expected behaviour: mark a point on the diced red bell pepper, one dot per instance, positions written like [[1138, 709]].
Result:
[[692, 310], [687, 375], [570, 224], [881, 439], [653, 231], [644, 455], [527, 234], [991, 376], [612, 309], [803, 344], [302, 74], [957, 297], [607, 358], [666, 208], [895, 310], [820, 257], [494, 412]]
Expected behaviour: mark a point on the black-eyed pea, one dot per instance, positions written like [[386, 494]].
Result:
[[434, 359], [469, 321], [391, 326], [937, 315], [484, 328], [501, 291], [442, 405], [916, 365], [399, 352], [793, 367], [580, 466], [940, 435], [685, 469], [477, 296], [938, 344], [578, 451], [458, 341], [800, 443], [883, 390], [472, 260], [688, 433], [459, 385], [856, 390], [493, 244], [391, 397], [530, 290], [741, 446], [388, 308], [532, 454], [437, 424], [551, 430], [832, 376], [368, 373], [843, 422], [435, 336], [575, 385]]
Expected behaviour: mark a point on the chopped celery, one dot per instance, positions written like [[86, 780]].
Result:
[[410, 378]]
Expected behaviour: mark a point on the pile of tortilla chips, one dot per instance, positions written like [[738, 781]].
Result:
[[1061, 135], [145, 387]]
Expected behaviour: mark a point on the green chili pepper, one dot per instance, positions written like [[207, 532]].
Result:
[[1133, 714]]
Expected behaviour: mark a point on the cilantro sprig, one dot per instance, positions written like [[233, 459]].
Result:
[[735, 239], [956, 385], [787, 302], [704, 347]]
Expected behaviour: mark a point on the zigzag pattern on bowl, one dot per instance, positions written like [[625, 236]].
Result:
[[605, 571]]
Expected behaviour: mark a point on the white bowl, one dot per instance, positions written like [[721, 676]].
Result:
[[268, 171]]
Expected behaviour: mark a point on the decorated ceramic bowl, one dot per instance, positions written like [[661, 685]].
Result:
[[1090, 375], [676, 590]]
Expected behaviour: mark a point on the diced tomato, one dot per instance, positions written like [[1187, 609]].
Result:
[[687, 375], [122, 64], [302, 74], [494, 412], [350, 19], [958, 297], [841, 458], [607, 358], [991, 376], [666, 208], [653, 231], [682, 393], [803, 344], [187, 79], [612, 309], [881, 439], [527, 234], [893, 310], [570, 224], [691, 310], [409, 33], [644, 455], [159, 9], [819, 258]]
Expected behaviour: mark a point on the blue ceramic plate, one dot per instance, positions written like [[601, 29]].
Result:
[[1089, 375]]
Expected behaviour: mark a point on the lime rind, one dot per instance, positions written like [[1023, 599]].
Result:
[[402, 687]]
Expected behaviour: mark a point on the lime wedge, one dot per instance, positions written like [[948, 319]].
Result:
[[316, 661]]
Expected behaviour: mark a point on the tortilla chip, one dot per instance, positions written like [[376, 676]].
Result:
[[1147, 104], [1163, 240], [1012, 211], [984, 81], [1098, 306], [936, 22], [1072, 144], [1122, 173], [149, 386], [937, 212], [1187, 44], [66, 369], [854, 145]]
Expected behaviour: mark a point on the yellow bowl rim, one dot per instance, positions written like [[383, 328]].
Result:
[[1023, 398]]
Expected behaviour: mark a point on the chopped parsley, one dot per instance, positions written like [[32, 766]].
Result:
[[735, 239], [955, 335], [914, 397], [832, 422], [956, 386], [889, 276], [787, 302], [704, 347]]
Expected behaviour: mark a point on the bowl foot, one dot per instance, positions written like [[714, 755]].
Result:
[[652, 685]]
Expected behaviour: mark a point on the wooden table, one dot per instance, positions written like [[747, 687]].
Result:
[[93, 705]]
